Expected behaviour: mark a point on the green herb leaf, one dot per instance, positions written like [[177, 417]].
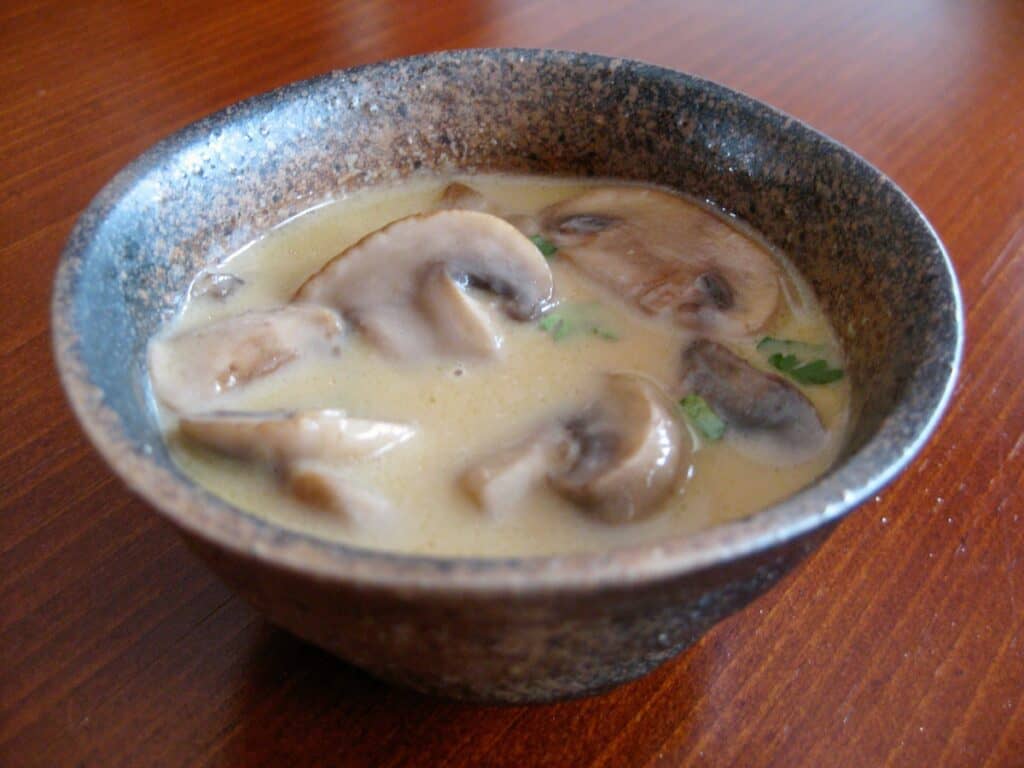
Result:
[[545, 246], [567, 320], [784, 363], [554, 324], [816, 372], [703, 417], [790, 356]]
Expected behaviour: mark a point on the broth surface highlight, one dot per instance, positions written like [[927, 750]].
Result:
[[465, 408]]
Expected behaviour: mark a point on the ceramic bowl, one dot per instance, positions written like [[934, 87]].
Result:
[[520, 629]]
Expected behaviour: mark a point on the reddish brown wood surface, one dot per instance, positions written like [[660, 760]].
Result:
[[899, 643]]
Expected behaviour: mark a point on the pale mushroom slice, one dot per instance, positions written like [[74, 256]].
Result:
[[283, 437], [190, 370], [500, 481], [668, 257], [326, 489], [378, 282], [774, 420], [630, 452]]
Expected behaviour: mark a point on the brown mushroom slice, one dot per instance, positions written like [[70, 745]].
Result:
[[500, 481], [377, 282], [667, 256], [190, 370], [629, 455], [282, 437], [779, 424], [324, 488]]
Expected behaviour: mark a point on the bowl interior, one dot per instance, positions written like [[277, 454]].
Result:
[[875, 263]]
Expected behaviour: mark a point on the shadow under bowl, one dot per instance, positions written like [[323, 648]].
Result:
[[521, 629]]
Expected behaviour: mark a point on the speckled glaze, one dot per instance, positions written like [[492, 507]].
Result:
[[519, 629]]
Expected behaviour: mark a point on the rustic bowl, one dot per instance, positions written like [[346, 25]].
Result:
[[520, 629]]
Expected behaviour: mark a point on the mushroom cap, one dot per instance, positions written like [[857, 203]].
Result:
[[282, 437], [377, 281], [190, 370], [781, 424], [629, 452], [667, 256]]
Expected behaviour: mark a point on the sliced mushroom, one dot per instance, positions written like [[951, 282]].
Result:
[[780, 424], [629, 452], [328, 490], [282, 437], [500, 481], [379, 281], [619, 459], [667, 256], [190, 370]]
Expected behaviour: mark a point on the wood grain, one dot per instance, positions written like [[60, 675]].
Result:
[[900, 643]]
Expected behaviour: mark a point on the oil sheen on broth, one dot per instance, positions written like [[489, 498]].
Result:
[[473, 415]]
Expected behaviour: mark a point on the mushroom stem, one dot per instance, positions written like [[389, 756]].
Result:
[[324, 488], [500, 482]]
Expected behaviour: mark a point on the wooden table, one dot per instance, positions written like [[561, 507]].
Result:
[[899, 643]]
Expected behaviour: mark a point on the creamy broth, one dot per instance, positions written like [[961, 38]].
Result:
[[463, 409]]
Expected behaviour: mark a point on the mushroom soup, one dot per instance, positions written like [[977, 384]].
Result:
[[502, 366]]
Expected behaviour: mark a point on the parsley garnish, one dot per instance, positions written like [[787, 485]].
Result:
[[789, 357], [545, 246], [568, 320], [703, 418]]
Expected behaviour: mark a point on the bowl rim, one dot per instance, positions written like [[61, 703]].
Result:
[[201, 514]]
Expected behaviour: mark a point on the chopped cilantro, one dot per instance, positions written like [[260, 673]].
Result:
[[545, 246], [816, 372], [567, 320], [784, 363], [556, 325], [791, 357], [703, 418]]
